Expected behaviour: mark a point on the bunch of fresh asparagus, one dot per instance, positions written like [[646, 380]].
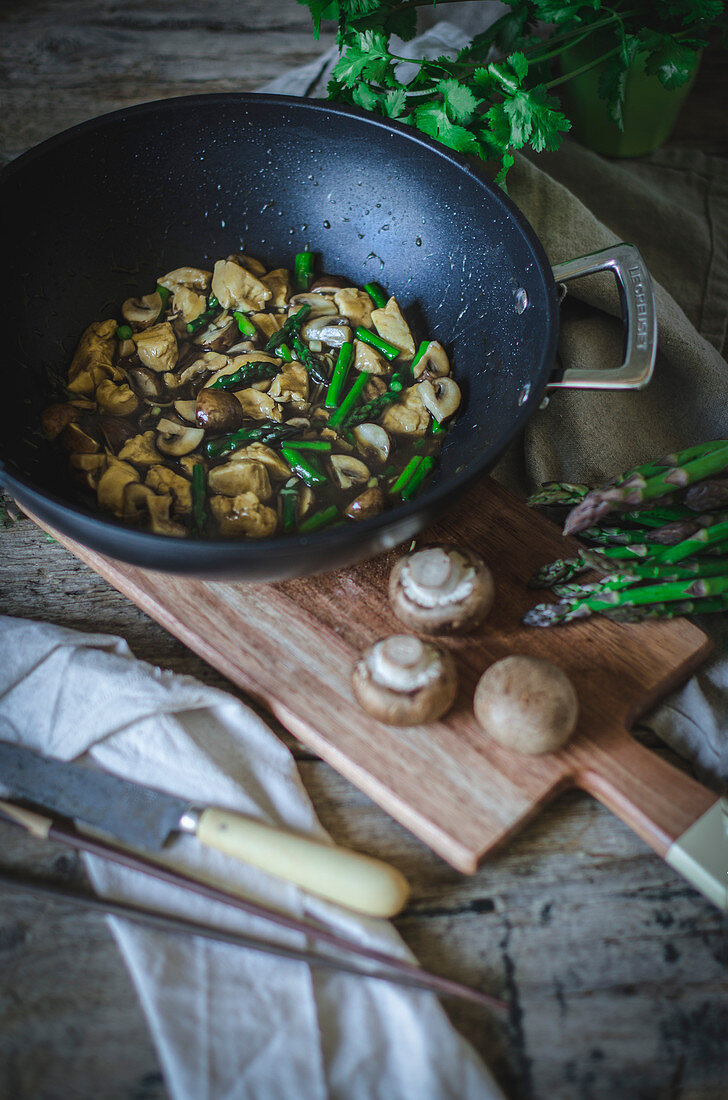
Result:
[[657, 542]]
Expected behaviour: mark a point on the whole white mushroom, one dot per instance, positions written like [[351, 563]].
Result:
[[526, 704]]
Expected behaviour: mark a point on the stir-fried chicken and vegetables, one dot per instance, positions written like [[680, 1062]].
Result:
[[252, 403]]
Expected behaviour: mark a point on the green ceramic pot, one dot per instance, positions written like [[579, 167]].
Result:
[[650, 110]]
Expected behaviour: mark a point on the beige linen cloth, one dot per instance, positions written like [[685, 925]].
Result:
[[673, 205], [228, 1023]]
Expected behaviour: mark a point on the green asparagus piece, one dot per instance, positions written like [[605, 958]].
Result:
[[414, 483], [303, 270], [306, 469], [389, 351], [309, 361], [667, 592], [338, 378], [124, 332], [707, 605], [696, 544], [246, 326], [638, 490], [562, 569], [246, 375], [213, 310], [377, 295], [557, 492], [165, 294], [319, 519], [309, 445], [289, 499], [406, 474], [707, 495], [269, 431], [198, 498], [374, 409], [284, 352], [340, 415], [289, 328]]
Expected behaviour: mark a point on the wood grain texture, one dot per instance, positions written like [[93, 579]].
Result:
[[292, 645], [613, 968]]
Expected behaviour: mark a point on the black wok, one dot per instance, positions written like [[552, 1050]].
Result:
[[94, 215]]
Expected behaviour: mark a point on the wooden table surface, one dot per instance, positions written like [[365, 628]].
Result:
[[613, 968]]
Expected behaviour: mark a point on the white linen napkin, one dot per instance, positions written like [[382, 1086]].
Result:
[[227, 1022]]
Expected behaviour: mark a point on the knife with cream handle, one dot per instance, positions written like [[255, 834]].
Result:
[[144, 819]]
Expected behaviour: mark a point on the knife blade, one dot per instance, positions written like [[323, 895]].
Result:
[[144, 818]]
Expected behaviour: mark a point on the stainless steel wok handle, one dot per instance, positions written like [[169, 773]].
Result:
[[638, 313]]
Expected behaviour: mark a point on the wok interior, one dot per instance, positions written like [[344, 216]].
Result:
[[97, 214]]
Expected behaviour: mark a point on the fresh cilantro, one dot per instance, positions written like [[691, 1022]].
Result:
[[495, 95]]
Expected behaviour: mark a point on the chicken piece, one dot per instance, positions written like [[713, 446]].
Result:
[[391, 326], [234, 478], [157, 347], [258, 406], [166, 482], [243, 515], [111, 485], [140, 450], [278, 282], [236, 288], [94, 358], [356, 305], [116, 399], [291, 385]]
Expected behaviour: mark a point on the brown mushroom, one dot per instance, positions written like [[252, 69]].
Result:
[[116, 431], [75, 440], [441, 589], [441, 397], [218, 412], [526, 704], [175, 438], [55, 418], [329, 284], [404, 681], [220, 335], [371, 502], [140, 313], [147, 383]]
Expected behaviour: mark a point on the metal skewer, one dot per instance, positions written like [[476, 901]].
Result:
[[54, 829]]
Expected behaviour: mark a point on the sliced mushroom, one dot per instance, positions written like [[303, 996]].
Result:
[[117, 431], [391, 326], [258, 406], [237, 288], [136, 501], [220, 335], [329, 284], [209, 362], [434, 363], [373, 441], [233, 478], [369, 359], [111, 485], [168, 483], [356, 305], [193, 277], [187, 410], [147, 383], [320, 306], [404, 681], [140, 313], [157, 347], [371, 502], [117, 399], [75, 440], [250, 343], [331, 330], [140, 450], [177, 439], [441, 589], [349, 471], [441, 397], [217, 412], [408, 416], [243, 515], [55, 418]]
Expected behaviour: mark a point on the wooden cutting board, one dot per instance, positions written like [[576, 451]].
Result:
[[291, 646]]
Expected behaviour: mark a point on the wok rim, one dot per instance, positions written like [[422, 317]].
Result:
[[434, 501]]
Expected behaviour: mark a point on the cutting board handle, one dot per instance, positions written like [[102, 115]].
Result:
[[683, 821]]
